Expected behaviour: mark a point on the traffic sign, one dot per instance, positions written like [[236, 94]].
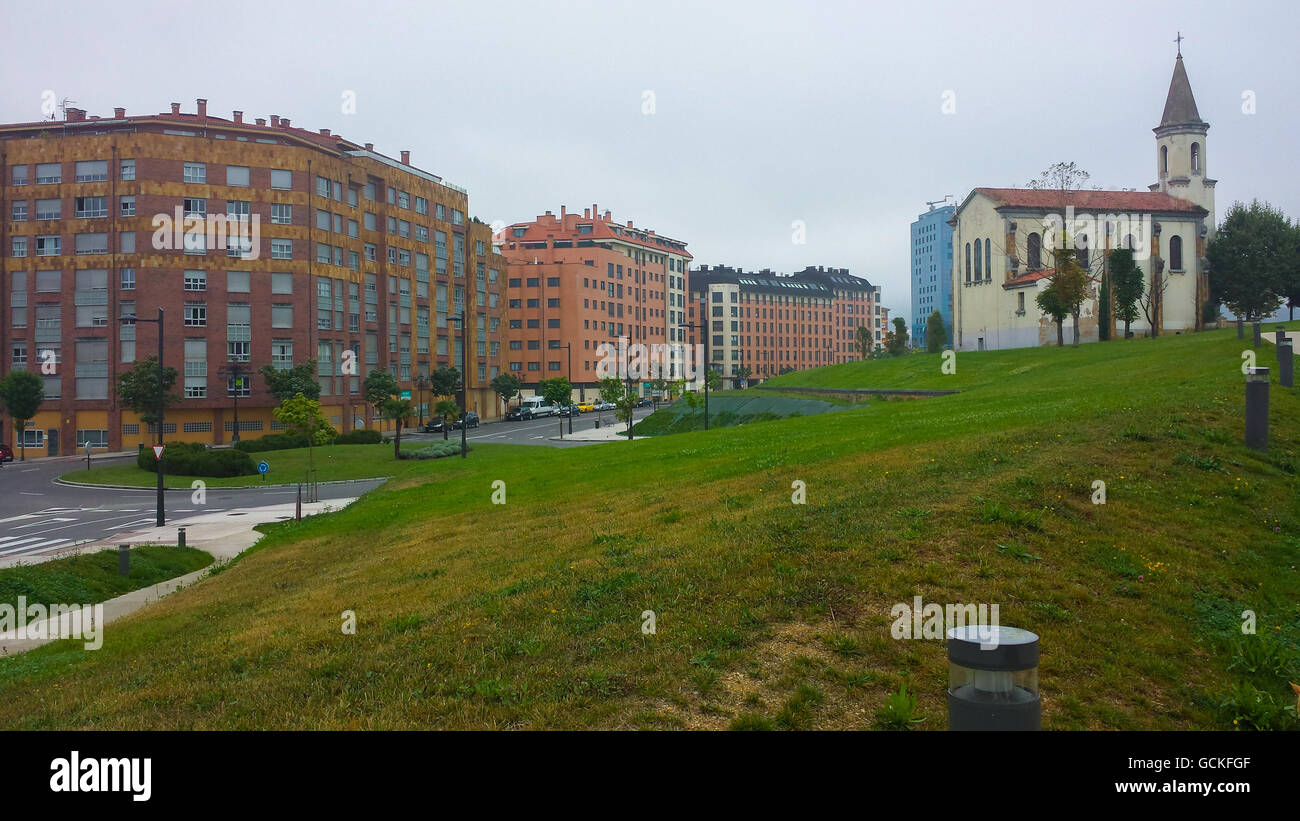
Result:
[[404, 395], [263, 468], [157, 451]]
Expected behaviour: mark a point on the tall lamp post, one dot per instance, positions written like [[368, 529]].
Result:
[[162, 401], [234, 373], [464, 379], [704, 326], [421, 383], [568, 352]]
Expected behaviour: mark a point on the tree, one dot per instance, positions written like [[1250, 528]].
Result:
[[21, 394], [446, 408], [137, 389], [378, 387], [1126, 286], [896, 340], [557, 391], [862, 341], [613, 389], [399, 410], [1066, 289], [507, 386], [657, 387], [744, 372], [289, 382], [1063, 177], [935, 335], [303, 414], [445, 381], [1253, 258]]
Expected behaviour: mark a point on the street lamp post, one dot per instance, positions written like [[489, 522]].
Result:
[[707, 365], [568, 351], [421, 382], [464, 380], [234, 371], [162, 401]]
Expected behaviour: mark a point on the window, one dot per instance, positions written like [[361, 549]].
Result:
[[1034, 252], [237, 282], [19, 247], [127, 279], [196, 280], [196, 367], [967, 265], [196, 207], [988, 261], [1196, 158], [281, 249], [1164, 159], [196, 172], [49, 209], [322, 220], [282, 354], [48, 173], [322, 187], [237, 175], [281, 213], [19, 211], [196, 314], [126, 242], [127, 170], [92, 243], [282, 316], [92, 170], [238, 210], [126, 206], [92, 369], [281, 178], [20, 175], [979, 262], [1175, 253], [281, 283]]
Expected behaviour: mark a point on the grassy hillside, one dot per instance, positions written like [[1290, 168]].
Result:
[[769, 614]]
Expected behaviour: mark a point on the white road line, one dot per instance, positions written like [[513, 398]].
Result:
[[29, 493], [11, 542], [88, 523], [32, 548], [38, 524]]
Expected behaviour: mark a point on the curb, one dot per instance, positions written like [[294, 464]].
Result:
[[61, 481]]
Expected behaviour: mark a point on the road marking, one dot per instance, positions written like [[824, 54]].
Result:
[[29, 493], [31, 548], [10, 544]]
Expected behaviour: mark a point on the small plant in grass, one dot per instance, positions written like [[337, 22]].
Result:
[[843, 645], [797, 712], [748, 722], [1210, 463], [1019, 551], [1263, 655], [899, 711], [1247, 707]]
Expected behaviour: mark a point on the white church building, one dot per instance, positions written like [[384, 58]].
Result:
[[1003, 239]]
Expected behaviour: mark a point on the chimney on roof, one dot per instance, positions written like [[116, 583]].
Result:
[[237, 116], [202, 106], [629, 223], [324, 132], [74, 115], [119, 113], [609, 216], [406, 158], [595, 212], [548, 213], [370, 146], [586, 213], [176, 108], [275, 120], [563, 212], [259, 121], [284, 122]]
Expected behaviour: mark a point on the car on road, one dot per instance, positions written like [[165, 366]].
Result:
[[470, 421], [6, 453], [434, 426], [569, 410], [586, 407], [604, 406], [644, 402], [514, 414]]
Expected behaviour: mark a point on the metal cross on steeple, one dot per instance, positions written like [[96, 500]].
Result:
[[1179, 41]]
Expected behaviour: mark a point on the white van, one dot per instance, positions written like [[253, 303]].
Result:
[[534, 407]]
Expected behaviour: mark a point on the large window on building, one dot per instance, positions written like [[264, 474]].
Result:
[[1175, 253]]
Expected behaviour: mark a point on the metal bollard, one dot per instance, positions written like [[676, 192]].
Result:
[[180, 537], [1285, 365], [993, 679], [297, 511], [124, 560], [1279, 339], [1241, 333], [1259, 336], [1257, 409], [597, 422]]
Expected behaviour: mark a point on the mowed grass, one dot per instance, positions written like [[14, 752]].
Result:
[[90, 578], [332, 463], [768, 614]]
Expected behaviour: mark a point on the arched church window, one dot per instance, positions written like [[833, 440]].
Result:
[[1175, 253], [1035, 252], [988, 259], [979, 269], [1196, 158], [1164, 159], [968, 262]]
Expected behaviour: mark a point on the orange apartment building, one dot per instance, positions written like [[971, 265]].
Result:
[[763, 324], [574, 282], [361, 258]]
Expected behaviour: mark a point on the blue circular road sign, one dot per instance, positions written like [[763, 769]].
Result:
[[263, 467]]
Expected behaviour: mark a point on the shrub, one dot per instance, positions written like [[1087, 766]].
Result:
[[433, 451], [273, 441], [362, 436], [195, 459]]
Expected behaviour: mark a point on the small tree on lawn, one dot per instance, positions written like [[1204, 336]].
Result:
[[935, 335], [446, 408], [398, 410], [21, 393], [1254, 261], [507, 387], [289, 382], [862, 341], [379, 387], [303, 415], [896, 340], [137, 389], [1067, 287], [1126, 286], [613, 389]]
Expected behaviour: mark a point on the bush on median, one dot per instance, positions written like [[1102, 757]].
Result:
[[195, 459]]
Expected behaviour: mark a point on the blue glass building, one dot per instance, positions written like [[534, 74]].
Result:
[[931, 271]]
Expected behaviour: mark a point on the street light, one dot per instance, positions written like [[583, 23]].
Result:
[[132, 319], [707, 365], [234, 371], [464, 380], [421, 383], [568, 352]]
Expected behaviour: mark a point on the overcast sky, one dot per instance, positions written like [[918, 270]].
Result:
[[763, 113]]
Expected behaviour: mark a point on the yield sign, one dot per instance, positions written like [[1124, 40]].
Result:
[[157, 451]]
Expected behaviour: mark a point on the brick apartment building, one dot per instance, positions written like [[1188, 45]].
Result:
[[772, 323], [358, 252], [585, 280]]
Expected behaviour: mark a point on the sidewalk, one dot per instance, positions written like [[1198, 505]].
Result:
[[605, 433], [224, 535]]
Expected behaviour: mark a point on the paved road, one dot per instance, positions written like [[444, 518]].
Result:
[[38, 515]]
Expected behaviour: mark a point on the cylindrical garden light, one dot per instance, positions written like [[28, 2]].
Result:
[[993, 679]]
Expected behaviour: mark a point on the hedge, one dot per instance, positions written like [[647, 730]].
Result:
[[433, 451], [360, 436], [194, 459], [272, 441]]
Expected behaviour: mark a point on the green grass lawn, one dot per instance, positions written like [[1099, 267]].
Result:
[[90, 578], [332, 463], [769, 614]]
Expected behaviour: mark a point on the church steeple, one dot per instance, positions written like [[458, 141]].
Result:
[[1180, 105], [1181, 144]]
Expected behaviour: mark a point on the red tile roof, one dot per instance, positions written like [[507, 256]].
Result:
[[1089, 200], [1028, 277]]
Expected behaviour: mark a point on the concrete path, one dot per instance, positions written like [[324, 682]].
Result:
[[224, 535], [605, 433]]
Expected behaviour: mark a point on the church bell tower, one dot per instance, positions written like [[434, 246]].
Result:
[[1181, 146]]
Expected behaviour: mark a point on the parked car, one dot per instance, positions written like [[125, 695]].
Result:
[[604, 406], [470, 421], [644, 402], [586, 407], [514, 414], [569, 410], [434, 426], [6, 453]]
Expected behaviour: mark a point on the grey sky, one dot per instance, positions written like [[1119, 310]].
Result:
[[765, 113]]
